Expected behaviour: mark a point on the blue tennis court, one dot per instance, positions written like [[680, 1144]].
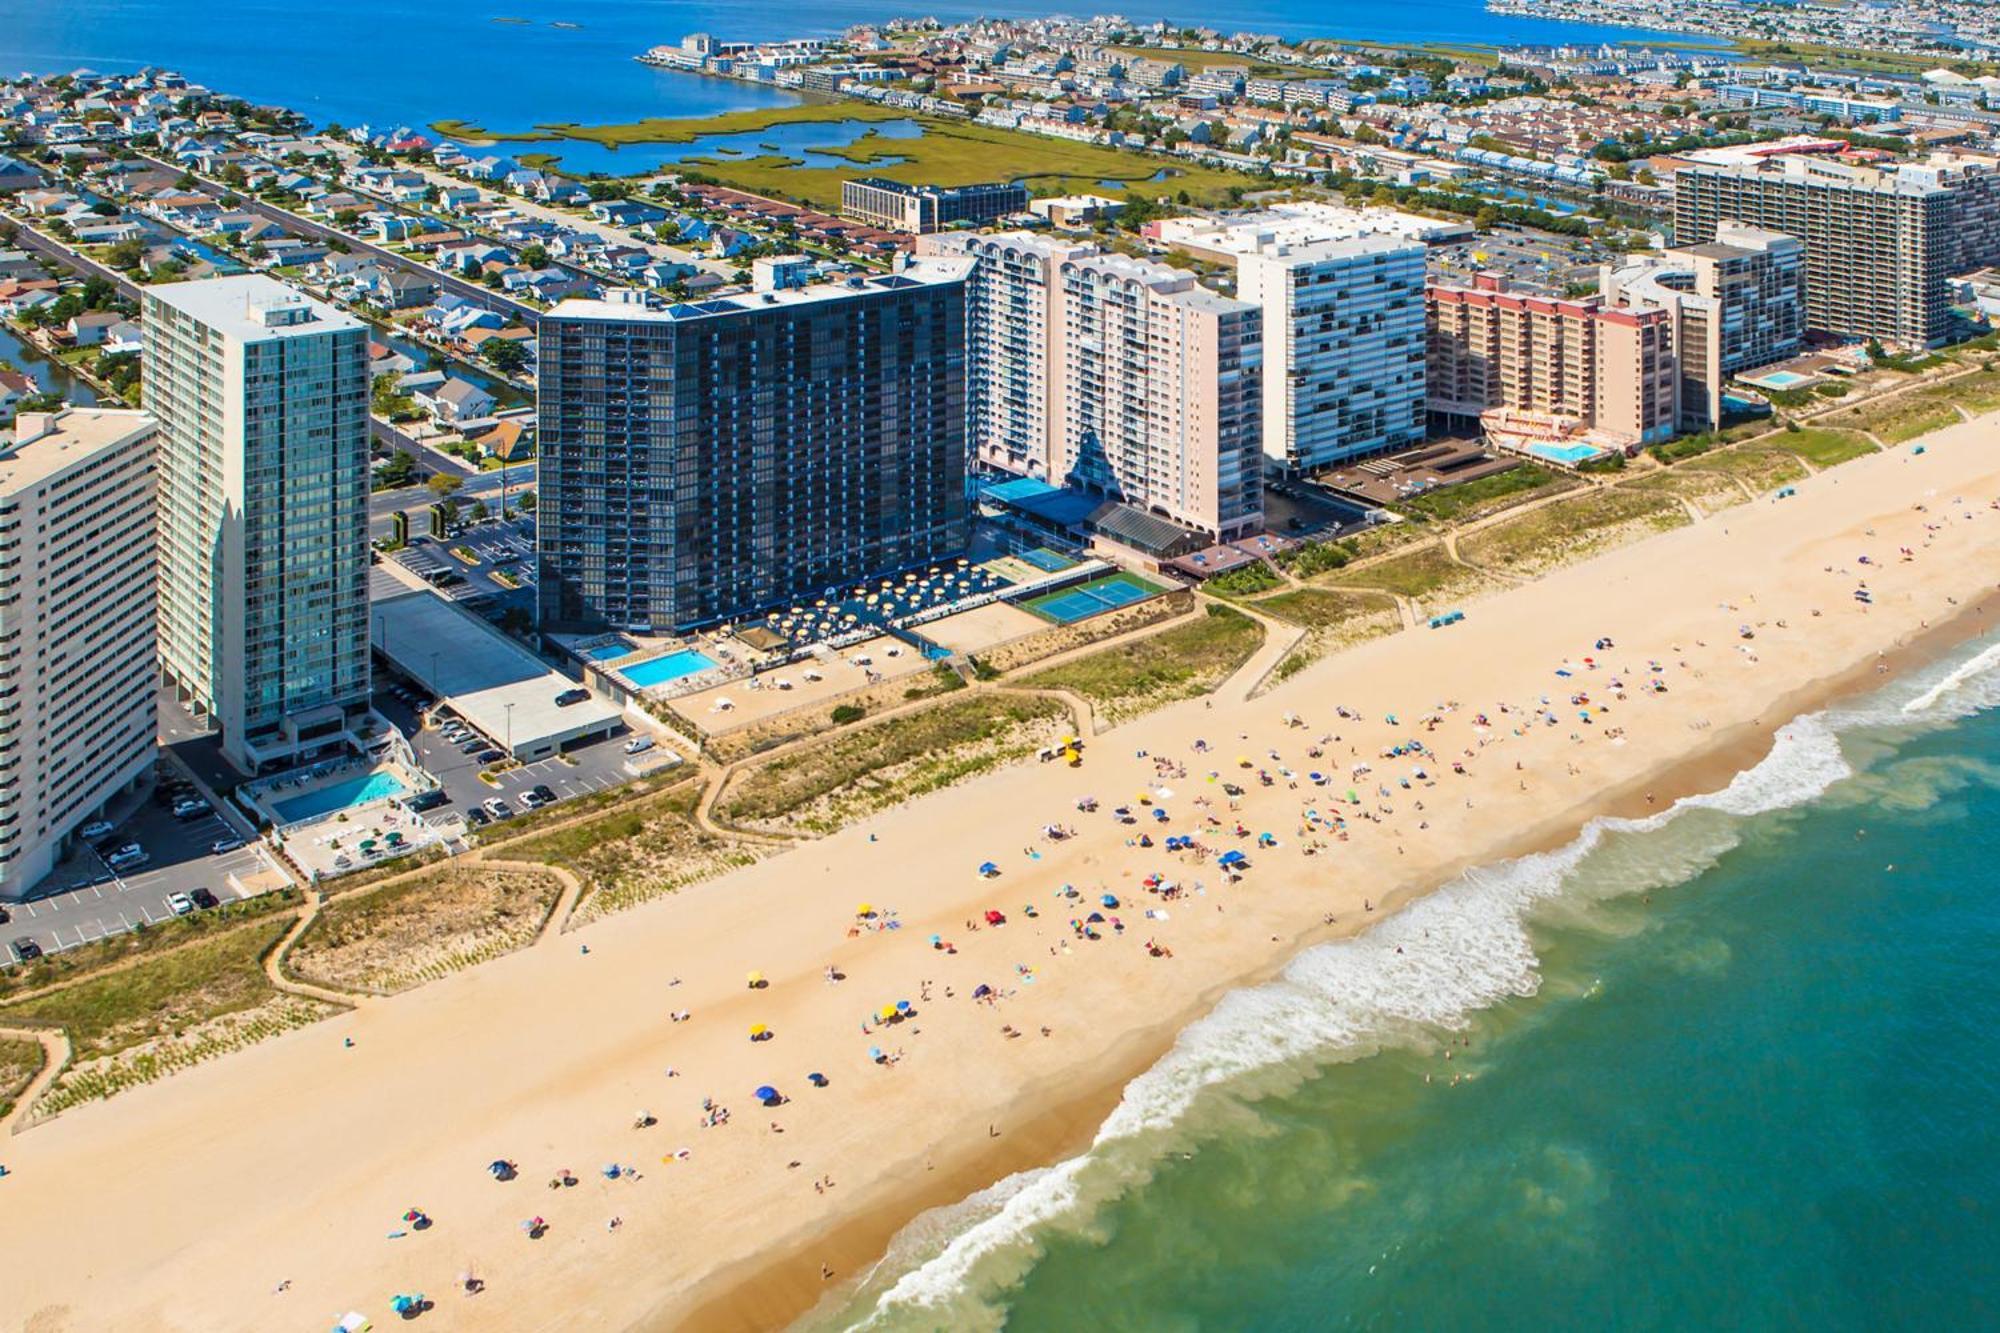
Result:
[[1049, 562], [1093, 598]]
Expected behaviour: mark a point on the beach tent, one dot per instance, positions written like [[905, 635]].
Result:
[[353, 1322]]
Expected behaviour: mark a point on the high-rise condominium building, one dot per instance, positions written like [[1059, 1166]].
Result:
[[262, 398], [927, 208], [1160, 403], [1343, 324], [1880, 243], [1732, 304], [77, 580], [1121, 377], [1568, 365], [699, 462]]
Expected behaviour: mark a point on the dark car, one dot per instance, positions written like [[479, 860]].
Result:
[[490, 756], [429, 800], [476, 817], [26, 950], [568, 697], [546, 792], [205, 899]]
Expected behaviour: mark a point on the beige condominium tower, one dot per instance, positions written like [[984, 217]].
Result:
[[262, 399], [77, 578]]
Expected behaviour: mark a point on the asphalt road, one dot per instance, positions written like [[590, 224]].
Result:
[[479, 486], [471, 291]]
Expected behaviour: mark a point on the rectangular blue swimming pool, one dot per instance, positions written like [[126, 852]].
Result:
[[608, 652], [661, 670], [340, 796], [1780, 379]]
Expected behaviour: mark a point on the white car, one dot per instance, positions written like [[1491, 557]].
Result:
[[180, 904], [639, 745], [95, 829]]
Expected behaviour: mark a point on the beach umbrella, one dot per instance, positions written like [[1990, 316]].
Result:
[[865, 909], [875, 1054], [817, 1080], [1095, 916], [404, 1304], [885, 1013], [1108, 900], [758, 1032], [766, 1094], [757, 981], [904, 1006], [500, 1169], [611, 1170], [988, 868], [981, 991], [414, 1215]]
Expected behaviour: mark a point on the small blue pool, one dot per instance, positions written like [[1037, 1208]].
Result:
[[661, 670], [1572, 454], [609, 652], [1780, 379], [340, 796]]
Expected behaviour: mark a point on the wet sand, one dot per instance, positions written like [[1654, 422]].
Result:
[[293, 1162]]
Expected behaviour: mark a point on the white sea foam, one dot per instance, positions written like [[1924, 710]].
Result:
[[1432, 966]]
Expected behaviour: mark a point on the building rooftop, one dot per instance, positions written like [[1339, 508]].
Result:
[[46, 443], [252, 307], [1322, 251], [626, 305]]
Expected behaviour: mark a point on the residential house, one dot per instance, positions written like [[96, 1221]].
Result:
[[14, 386], [88, 329], [122, 338], [456, 401]]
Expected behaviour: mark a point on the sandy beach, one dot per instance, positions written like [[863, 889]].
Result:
[[267, 1189]]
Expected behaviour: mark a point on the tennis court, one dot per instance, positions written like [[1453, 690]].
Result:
[[1093, 598], [1049, 562]]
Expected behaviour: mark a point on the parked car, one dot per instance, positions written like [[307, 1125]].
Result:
[[222, 845], [429, 800], [127, 858], [490, 755], [638, 745], [498, 808], [205, 899], [545, 792], [26, 950], [534, 800], [192, 808], [477, 817], [95, 829], [568, 697], [180, 904]]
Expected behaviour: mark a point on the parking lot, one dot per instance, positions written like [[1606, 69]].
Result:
[[85, 900], [1531, 261], [490, 559], [588, 768]]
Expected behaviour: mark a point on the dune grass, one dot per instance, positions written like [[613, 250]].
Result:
[[1827, 448], [1571, 530], [396, 938], [1128, 679]]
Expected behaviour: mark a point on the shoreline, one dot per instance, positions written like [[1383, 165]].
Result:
[[776, 1290], [542, 1055]]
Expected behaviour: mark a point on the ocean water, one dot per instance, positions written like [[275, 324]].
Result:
[[1727, 1067], [396, 62]]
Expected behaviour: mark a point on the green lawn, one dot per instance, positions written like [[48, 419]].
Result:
[[1132, 678], [1827, 448], [1474, 498]]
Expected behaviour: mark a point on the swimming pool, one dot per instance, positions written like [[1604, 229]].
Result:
[[1780, 379], [661, 670], [368, 787], [1572, 454], [608, 652]]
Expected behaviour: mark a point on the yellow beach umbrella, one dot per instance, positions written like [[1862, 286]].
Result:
[[757, 979], [887, 1012], [758, 1030], [866, 909]]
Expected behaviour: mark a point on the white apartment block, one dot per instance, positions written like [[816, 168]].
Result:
[[77, 613], [1121, 377], [262, 397], [1343, 361]]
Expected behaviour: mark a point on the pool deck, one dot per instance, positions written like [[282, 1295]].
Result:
[[838, 675]]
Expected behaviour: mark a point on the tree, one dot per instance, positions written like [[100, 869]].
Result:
[[400, 470], [480, 513], [534, 256], [233, 176], [504, 355], [526, 504], [443, 484]]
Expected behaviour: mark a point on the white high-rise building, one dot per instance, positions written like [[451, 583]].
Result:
[[1343, 346], [77, 583], [262, 399]]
